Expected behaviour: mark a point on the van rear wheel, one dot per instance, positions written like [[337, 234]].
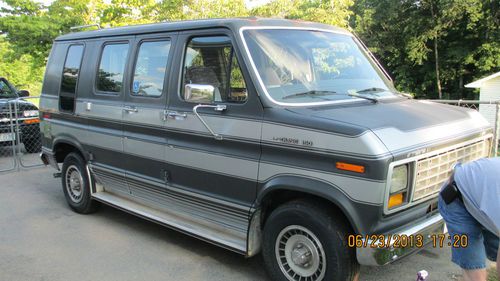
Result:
[[302, 241], [76, 185]]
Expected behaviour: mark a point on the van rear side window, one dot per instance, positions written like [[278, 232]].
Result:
[[70, 78], [112, 67]]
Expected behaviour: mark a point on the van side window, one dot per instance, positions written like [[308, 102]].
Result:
[[70, 78], [112, 67], [212, 61], [150, 69]]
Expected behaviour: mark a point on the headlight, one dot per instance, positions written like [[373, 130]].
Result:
[[30, 113], [399, 184], [399, 180]]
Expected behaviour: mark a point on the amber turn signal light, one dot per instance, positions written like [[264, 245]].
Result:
[[395, 200], [32, 121], [350, 167]]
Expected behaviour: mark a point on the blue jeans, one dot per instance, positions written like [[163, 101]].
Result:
[[482, 243]]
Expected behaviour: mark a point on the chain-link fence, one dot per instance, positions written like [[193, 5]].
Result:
[[20, 138], [28, 132], [489, 109], [7, 138]]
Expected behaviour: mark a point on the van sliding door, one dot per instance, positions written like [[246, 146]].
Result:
[[145, 138]]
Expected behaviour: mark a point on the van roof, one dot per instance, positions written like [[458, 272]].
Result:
[[231, 23]]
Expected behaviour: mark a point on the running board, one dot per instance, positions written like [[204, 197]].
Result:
[[191, 226]]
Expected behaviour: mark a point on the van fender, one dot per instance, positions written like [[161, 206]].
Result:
[[355, 211], [69, 140]]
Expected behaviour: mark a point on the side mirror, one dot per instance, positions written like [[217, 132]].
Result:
[[198, 93], [23, 93]]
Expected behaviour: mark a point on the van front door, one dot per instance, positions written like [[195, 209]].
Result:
[[214, 124]]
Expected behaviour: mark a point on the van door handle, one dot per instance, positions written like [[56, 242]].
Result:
[[130, 109], [175, 115]]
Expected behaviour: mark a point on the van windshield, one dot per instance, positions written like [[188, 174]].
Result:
[[304, 66]]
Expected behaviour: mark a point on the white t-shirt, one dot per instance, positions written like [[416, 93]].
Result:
[[479, 183]]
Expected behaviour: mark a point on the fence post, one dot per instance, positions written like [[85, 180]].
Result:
[[496, 136]]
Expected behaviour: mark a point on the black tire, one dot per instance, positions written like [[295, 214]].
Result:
[[33, 145], [76, 185], [305, 221]]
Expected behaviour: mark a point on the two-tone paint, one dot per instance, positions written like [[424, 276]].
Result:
[[168, 168]]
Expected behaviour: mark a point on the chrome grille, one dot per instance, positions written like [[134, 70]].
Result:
[[432, 171]]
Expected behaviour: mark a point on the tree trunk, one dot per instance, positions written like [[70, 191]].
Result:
[[461, 87], [436, 54]]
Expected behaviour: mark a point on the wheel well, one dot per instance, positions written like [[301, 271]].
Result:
[[279, 197], [61, 150]]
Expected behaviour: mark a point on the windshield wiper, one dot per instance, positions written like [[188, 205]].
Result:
[[371, 90], [310, 93], [374, 100]]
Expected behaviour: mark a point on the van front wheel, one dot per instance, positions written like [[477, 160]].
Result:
[[76, 185], [304, 242]]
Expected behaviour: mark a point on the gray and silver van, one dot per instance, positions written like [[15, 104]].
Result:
[[257, 135]]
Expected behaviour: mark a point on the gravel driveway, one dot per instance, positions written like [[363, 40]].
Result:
[[42, 239]]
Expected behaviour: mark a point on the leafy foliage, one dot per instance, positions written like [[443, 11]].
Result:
[[20, 70], [427, 43], [430, 47]]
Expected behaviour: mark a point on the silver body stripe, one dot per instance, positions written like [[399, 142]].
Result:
[[228, 127], [367, 144], [151, 116], [357, 189], [241, 168], [104, 140], [108, 110]]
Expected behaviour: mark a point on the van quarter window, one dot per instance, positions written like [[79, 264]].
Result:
[[112, 67], [70, 78], [150, 69], [212, 61]]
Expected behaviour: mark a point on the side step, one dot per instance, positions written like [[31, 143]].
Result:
[[192, 226]]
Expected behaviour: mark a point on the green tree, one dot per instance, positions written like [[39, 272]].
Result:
[[31, 27], [432, 47], [333, 12], [22, 71]]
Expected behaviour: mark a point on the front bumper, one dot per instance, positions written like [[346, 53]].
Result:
[[424, 228], [26, 131]]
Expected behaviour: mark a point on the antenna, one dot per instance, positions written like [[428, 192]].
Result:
[[85, 26]]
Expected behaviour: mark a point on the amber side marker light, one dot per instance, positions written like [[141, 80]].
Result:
[[395, 200], [350, 167], [32, 121]]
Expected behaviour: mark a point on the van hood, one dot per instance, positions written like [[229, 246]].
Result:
[[405, 124]]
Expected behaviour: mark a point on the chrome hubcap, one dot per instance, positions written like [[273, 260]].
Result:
[[74, 183], [300, 254]]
